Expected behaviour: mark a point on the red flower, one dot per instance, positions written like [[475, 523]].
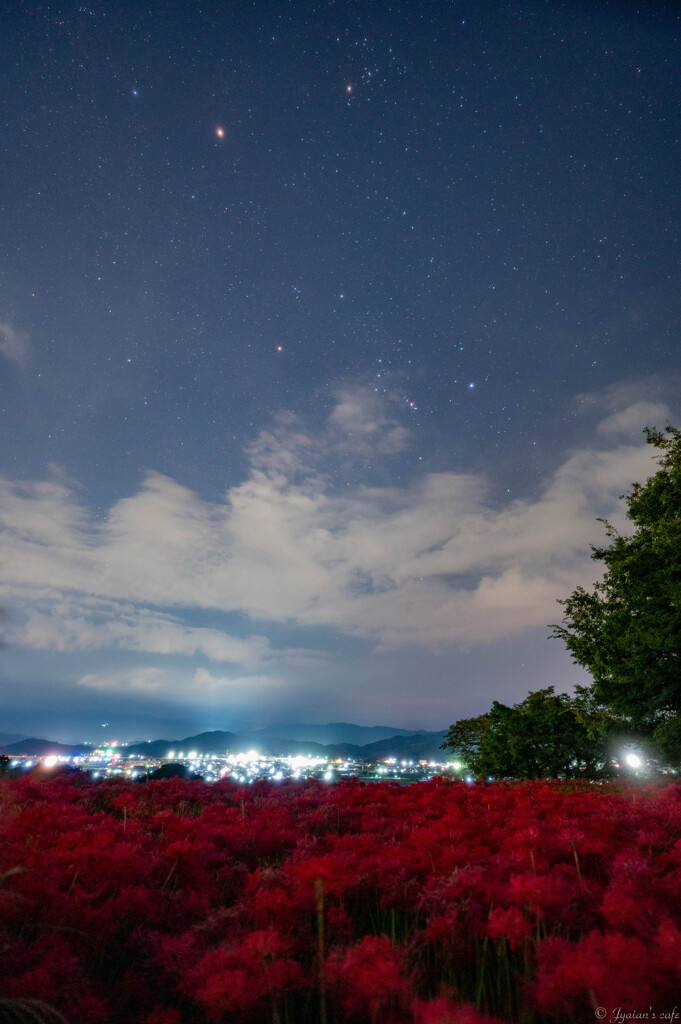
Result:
[[368, 978], [612, 970], [244, 976], [444, 1011], [508, 923]]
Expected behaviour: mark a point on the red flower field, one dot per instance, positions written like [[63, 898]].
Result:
[[175, 902]]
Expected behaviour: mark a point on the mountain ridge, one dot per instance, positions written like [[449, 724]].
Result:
[[419, 744]]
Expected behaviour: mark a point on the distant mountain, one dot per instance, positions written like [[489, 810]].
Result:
[[417, 747], [34, 747], [332, 732], [204, 743], [221, 742], [420, 745]]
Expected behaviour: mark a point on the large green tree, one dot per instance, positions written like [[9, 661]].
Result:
[[548, 735], [627, 631]]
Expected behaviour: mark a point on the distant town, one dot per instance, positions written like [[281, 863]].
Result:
[[242, 768], [325, 752]]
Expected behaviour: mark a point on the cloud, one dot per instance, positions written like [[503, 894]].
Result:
[[49, 620], [358, 429], [628, 421], [362, 419], [14, 344], [144, 681], [436, 564], [630, 405], [194, 689]]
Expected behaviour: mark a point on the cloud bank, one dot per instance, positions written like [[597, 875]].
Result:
[[437, 563]]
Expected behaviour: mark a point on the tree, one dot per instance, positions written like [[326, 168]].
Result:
[[548, 735], [627, 631], [465, 736]]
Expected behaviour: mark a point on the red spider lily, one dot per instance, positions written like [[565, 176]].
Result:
[[330, 871], [508, 923], [138, 902], [368, 980], [602, 970], [669, 945], [444, 1011], [244, 977], [49, 971]]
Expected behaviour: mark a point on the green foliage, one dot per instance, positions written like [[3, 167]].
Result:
[[465, 736], [548, 735], [627, 631]]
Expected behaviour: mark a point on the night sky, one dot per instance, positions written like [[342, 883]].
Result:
[[327, 330]]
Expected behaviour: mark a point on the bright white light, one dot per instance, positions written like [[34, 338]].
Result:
[[50, 761], [633, 760], [192, 755], [456, 765]]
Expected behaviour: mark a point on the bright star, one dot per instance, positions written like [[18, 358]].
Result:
[[220, 132]]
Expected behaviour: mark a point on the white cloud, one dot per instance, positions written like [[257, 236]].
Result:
[[44, 619], [628, 421], [629, 405], [143, 681], [239, 688], [363, 421], [197, 688], [14, 344], [434, 564]]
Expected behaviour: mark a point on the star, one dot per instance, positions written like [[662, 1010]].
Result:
[[220, 132]]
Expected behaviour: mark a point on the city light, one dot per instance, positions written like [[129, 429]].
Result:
[[241, 768]]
